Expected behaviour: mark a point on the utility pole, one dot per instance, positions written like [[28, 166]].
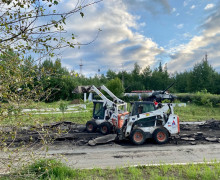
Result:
[[206, 57], [122, 78], [81, 65]]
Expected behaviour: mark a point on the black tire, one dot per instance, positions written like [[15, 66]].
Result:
[[137, 136], [161, 136], [91, 126], [105, 128]]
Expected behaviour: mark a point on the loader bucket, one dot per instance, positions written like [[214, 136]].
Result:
[[81, 89]]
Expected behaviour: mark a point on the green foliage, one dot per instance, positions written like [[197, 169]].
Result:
[[58, 80], [115, 85], [25, 28], [189, 113], [79, 117], [63, 106], [111, 74], [58, 83], [166, 101], [17, 86], [200, 98], [49, 169], [197, 113], [53, 170], [160, 79], [203, 76]]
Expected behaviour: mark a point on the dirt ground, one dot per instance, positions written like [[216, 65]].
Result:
[[69, 142], [61, 133]]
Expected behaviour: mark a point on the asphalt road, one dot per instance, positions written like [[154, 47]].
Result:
[[114, 155], [106, 156]]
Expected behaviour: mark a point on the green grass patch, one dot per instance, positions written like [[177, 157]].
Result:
[[189, 113], [32, 119], [78, 115], [54, 170], [42, 105], [197, 113]]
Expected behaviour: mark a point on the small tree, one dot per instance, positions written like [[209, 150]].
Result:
[[63, 107], [115, 85]]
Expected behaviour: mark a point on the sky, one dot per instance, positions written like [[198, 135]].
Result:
[[177, 33]]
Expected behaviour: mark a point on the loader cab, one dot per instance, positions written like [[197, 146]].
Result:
[[98, 110], [140, 107]]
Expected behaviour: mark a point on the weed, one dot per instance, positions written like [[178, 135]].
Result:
[[191, 172], [54, 170], [197, 113], [119, 174], [165, 168], [136, 173]]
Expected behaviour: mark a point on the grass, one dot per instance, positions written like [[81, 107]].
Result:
[[42, 105], [189, 113], [79, 117], [197, 113], [32, 119], [54, 170]]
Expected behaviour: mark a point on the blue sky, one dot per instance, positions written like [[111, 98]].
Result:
[[175, 32]]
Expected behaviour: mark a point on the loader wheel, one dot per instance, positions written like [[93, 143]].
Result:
[[160, 136], [105, 128], [91, 126], [137, 137]]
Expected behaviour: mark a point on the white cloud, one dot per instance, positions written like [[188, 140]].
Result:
[[185, 56], [185, 3], [116, 44], [192, 7], [187, 35], [209, 6], [179, 26], [177, 14], [173, 10], [143, 24]]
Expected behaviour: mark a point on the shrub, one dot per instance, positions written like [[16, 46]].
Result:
[[200, 98], [115, 85]]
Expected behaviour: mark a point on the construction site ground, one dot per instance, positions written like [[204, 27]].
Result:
[[69, 142]]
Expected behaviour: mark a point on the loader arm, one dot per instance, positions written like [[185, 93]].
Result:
[[86, 89], [115, 98], [102, 96]]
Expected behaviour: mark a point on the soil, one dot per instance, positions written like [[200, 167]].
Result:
[[61, 133], [208, 132]]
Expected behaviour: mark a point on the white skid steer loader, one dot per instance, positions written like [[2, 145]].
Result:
[[105, 111], [147, 122]]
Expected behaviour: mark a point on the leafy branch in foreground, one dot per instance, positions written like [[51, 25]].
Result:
[[36, 25]]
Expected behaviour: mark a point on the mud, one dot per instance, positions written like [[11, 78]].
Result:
[[61, 133], [205, 133]]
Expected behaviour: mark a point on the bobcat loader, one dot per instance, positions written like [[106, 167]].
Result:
[[145, 121], [105, 111]]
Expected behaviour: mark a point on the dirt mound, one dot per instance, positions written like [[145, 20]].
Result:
[[211, 124], [47, 133], [203, 133]]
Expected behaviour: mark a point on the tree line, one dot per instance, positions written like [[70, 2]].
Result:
[[60, 82]]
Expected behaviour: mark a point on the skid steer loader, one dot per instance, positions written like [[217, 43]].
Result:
[[145, 121], [105, 111]]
